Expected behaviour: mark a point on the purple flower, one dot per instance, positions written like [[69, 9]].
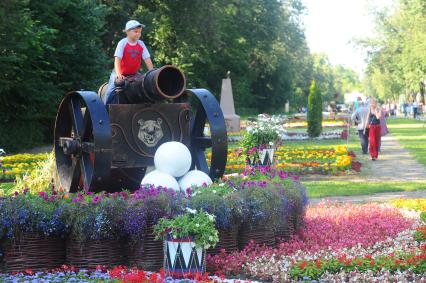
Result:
[[43, 195], [26, 191], [96, 199]]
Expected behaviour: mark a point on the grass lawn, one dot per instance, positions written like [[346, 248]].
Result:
[[319, 189], [411, 134]]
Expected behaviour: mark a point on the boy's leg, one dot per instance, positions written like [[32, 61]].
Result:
[[110, 96]]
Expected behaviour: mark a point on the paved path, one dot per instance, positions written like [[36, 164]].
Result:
[[395, 163]]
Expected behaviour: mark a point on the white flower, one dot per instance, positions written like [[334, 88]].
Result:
[[271, 143], [211, 217], [193, 211], [197, 225], [221, 184], [214, 191]]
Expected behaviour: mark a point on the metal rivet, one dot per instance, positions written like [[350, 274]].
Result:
[[100, 122], [215, 114], [217, 170], [219, 140]]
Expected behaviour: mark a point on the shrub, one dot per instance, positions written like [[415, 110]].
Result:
[[314, 111]]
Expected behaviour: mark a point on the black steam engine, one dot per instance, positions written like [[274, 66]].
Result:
[[109, 148]]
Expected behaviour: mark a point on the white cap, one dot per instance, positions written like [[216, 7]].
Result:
[[133, 24]]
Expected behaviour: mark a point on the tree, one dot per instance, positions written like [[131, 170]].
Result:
[[314, 111], [397, 54]]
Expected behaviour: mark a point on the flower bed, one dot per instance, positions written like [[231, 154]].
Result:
[[114, 275], [19, 165], [302, 160], [94, 223], [325, 124], [337, 243]]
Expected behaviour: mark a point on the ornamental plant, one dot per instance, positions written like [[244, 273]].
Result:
[[314, 116], [159, 202], [97, 217], [211, 200], [41, 214], [260, 135], [198, 224]]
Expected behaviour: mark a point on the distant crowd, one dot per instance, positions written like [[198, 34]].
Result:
[[411, 108]]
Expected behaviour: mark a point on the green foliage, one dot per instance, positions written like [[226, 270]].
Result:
[[397, 54], [51, 47], [314, 269], [314, 111], [47, 49], [200, 225]]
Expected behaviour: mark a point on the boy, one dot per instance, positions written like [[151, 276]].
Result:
[[127, 58]]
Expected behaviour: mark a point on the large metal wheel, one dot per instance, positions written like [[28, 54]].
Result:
[[208, 110], [82, 142]]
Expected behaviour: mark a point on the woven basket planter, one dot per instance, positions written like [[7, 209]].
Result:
[[147, 254], [260, 234], [228, 240], [32, 251], [89, 254], [283, 232]]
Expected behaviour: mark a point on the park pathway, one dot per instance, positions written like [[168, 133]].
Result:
[[395, 163]]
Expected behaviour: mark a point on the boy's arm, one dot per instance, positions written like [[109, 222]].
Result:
[[148, 63], [117, 68]]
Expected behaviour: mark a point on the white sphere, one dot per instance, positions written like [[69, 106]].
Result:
[[194, 178], [173, 158], [158, 178]]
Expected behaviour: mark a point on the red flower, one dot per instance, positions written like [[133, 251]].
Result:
[[372, 263], [303, 265], [318, 263]]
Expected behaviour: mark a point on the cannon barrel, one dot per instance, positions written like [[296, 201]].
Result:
[[167, 82]]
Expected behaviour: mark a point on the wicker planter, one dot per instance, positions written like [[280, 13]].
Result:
[[147, 254], [283, 232], [35, 252], [227, 241], [89, 254], [260, 234], [181, 257]]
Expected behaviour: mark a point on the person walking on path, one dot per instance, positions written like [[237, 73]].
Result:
[[415, 108], [374, 115], [360, 117], [383, 127]]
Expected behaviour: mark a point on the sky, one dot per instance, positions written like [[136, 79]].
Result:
[[330, 25]]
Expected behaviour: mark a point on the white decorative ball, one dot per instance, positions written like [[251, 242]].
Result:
[[158, 178], [194, 178], [173, 158]]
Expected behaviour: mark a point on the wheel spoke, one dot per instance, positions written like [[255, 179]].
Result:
[[201, 161], [77, 119], [86, 170], [75, 173], [203, 142]]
